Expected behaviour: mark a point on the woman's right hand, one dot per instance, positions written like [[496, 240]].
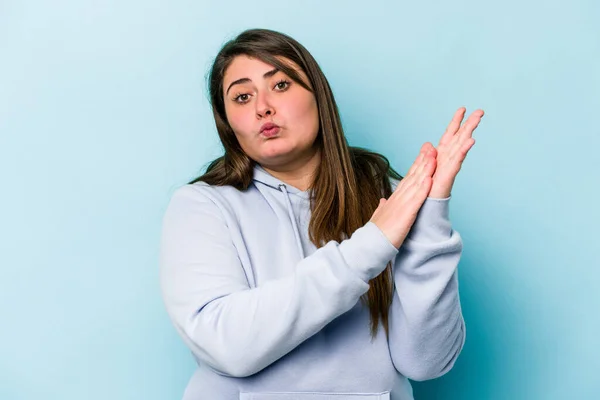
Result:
[[396, 215]]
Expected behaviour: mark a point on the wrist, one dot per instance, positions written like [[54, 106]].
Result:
[[439, 194]]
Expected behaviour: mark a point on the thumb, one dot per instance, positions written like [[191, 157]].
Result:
[[381, 204]]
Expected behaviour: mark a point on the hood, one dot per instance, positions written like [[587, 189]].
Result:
[[261, 176]]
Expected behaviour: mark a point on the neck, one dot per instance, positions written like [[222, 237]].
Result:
[[300, 173]]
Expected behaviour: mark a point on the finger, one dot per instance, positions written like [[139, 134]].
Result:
[[381, 202], [458, 156], [466, 133], [416, 193], [415, 165], [425, 188], [471, 124], [423, 165], [453, 126], [466, 147], [426, 168], [378, 209], [427, 147]]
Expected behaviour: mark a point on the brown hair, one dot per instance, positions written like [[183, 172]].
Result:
[[349, 180]]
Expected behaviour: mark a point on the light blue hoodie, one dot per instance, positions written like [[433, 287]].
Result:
[[268, 316]]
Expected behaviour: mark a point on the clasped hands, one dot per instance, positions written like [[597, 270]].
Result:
[[432, 175]]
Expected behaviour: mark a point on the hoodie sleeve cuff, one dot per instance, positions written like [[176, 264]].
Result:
[[368, 251], [433, 222]]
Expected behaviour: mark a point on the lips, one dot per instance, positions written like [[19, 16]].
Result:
[[269, 129], [268, 126]]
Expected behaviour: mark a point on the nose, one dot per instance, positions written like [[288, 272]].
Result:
[[264, 108]]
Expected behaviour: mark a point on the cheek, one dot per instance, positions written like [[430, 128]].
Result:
[[305, 115], [240, 122], [243, 124]]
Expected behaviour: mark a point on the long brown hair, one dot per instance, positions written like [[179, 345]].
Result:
[[349, 181]]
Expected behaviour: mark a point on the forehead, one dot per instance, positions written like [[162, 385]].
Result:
[[244, 66]]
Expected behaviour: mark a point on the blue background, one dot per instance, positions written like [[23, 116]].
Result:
[[103, 113]]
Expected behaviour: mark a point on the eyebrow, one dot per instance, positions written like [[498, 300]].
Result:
[[246, 80]]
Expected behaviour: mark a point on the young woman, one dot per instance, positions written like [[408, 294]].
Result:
[[299, 268]]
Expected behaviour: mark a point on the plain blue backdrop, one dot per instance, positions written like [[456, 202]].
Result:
[[103, 113]]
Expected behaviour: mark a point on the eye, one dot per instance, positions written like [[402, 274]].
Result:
[[282, 85], [241, 98]]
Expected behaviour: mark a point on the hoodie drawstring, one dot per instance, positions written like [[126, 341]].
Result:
[[293, 218]]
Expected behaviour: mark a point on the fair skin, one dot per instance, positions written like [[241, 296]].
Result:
[[432, 175], [452, 149], [256, 93]]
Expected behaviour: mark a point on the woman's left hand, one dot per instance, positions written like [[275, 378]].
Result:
[[452, 150]]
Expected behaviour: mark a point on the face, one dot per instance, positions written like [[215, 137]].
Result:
[[257, 94]]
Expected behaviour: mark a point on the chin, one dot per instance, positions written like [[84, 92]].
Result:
[[276, 158], [276, 150]]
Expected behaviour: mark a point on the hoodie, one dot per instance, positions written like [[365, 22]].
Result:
[[269, 316]]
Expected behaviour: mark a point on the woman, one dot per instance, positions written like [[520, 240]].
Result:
[[283, 263]]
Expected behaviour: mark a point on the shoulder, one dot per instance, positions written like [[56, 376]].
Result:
[[191, 196], [190, 199], [201, 197], [202, 191], [198, 191]]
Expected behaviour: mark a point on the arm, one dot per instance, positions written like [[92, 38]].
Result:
[[427, 330], [238, 330]]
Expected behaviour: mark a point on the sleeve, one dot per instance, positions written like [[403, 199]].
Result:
[[238, 330], [427, 329]]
